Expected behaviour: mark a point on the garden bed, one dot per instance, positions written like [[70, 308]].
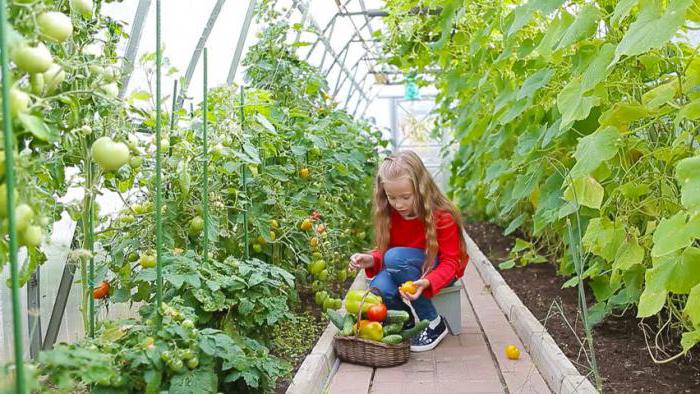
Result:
[[622, 356]]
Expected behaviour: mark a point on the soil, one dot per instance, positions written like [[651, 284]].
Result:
[[621, 353]]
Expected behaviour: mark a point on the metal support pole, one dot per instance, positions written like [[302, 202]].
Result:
[[325, 53], [8, 137], [241, 41], [132, 47], [159, 221], [198, 50], [34, 314], [205, 158], [337, 81]]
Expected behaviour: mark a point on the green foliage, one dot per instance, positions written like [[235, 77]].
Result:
[[584, 109]]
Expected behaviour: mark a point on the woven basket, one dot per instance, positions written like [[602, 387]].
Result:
[[356, 350]]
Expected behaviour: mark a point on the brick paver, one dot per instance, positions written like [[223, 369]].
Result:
[[472, 362]]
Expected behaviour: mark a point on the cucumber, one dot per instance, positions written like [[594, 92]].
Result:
[[335, 318], [393, 339], [348, 322], [394, 316], [393, 328], [411, 332]]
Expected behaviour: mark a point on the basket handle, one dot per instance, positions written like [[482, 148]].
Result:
[[359, 311]]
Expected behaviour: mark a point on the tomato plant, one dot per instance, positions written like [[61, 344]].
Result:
[[569, 119]]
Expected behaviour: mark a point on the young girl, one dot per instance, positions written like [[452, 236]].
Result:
[[418, 235]]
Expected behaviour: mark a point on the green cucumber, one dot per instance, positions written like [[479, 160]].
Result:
[[335, 318], [393, 339], [411, 332], [348, 322], [393, 328], [394, 316]]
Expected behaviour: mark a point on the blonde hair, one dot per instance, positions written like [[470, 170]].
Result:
[[428, 199]]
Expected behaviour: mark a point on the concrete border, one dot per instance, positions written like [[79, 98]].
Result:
[[556, 369], [319, 365]]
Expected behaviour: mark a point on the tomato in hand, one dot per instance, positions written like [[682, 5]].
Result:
[[377, 312], [408, 287]]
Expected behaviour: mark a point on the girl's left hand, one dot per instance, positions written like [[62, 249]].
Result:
[[421, 284]]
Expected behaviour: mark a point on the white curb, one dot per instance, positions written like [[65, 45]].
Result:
[[556, 369]]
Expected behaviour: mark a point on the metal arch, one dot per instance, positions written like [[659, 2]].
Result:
[[347, 45], [132, 47], [303, 6], [330, 23], [241, 42], [198, 50], [338, 88]]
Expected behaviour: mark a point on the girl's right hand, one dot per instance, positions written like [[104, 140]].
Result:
[[361, 260]]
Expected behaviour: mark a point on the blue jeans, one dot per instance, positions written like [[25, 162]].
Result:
[[402, 264]]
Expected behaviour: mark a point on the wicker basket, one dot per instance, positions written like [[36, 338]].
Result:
[[356, 350]]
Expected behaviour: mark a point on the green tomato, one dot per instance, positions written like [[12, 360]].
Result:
[[82, 7], [187, 324], [24, 214], [133, 256], [341, 275], [320, 297], [56, 26], [31, 59], [196, 226], [257, 248], [108, 154], [37, 83], [147, 261], [31, 236], [317, 266], [166, 356], [188, 354], [19, 101], [328, 303], [135, 162], [53, 77], [323, 275], [193, 363]]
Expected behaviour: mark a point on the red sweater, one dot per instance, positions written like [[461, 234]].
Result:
[[411, 233]]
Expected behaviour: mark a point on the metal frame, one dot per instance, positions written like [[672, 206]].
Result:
[[241, 42], [132, 47], [198, 50]]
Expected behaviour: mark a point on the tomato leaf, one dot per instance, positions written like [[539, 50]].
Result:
[[37, 127]]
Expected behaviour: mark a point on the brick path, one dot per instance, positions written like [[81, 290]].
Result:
[[472, 362]]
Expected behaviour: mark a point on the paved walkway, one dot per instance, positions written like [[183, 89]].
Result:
[[472, 362]]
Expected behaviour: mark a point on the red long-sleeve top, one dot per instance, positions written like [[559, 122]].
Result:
[[411, 233]]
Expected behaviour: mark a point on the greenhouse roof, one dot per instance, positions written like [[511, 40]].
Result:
[[338, 36]]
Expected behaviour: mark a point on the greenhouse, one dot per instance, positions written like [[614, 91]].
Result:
[[350, 196]]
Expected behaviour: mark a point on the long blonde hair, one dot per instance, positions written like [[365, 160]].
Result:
[[428, 199]]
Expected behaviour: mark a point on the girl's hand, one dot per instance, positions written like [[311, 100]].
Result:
[[421, 284], [361, 260]]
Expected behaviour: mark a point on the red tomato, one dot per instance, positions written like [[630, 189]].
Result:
[[377, 312], [101, 291]]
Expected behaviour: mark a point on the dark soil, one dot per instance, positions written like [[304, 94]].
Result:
[[621, 353]]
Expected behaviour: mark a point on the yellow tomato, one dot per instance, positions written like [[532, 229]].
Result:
[[512, 352]]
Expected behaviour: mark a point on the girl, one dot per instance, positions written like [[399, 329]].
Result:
[[418, 236]]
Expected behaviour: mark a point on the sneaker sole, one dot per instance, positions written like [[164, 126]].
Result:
[[425, 348]]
